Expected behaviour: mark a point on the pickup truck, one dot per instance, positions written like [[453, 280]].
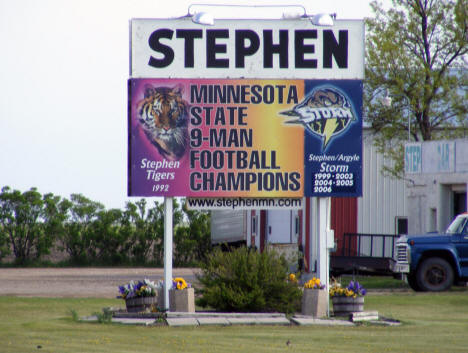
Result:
[[434, 262]]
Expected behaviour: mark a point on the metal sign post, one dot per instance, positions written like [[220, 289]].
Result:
[[168, 232], [320, 214]]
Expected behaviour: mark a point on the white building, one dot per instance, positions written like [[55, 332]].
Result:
[[436, 174]]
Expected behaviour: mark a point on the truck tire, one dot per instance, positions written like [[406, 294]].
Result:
[[411, 279], [434, 275]]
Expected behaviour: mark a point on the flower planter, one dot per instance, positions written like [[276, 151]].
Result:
[[135, 305], [347, 305], [182, 300], [314, 302], [161, 303]]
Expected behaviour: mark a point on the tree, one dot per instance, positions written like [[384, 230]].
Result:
[[110, 243], [140, 229], [414, 54], [156, 218], [4, 243], [27, 218], [77, 239], [54, 217], [193, 240]]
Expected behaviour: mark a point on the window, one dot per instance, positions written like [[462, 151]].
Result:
[[401, 225], [433, 220], [254, 225]]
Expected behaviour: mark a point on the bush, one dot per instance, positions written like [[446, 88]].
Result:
[[244, 280]]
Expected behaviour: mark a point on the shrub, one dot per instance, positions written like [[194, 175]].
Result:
[[246, 281]]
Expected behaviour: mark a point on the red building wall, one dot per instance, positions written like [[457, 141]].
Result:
[[344, 219]]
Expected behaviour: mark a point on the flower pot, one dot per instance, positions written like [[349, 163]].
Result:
[[135, 305], [347, 305], [314, 302], [161, 303], [182, 300]]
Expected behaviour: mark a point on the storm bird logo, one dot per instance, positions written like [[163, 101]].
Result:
[[326, 112]]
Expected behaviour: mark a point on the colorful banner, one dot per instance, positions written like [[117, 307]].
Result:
[[244, 138]]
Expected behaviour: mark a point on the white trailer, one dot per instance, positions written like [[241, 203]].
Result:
[[228, 227]]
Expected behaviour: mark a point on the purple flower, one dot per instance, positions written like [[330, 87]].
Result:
[[356, 288]]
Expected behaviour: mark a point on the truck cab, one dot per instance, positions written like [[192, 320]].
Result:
[[434, 262]]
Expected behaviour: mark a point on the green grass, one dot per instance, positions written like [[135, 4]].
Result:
[[431, 323], [375, 282]]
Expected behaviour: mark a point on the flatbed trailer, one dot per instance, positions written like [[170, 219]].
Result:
[[364, 253]]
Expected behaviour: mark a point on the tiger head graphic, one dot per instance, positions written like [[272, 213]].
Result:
[[325, 112], [163, 116]]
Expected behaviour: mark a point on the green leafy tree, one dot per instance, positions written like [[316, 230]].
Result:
[[414, 55], [111, 244], [4, 234], [193, 239], [56, 212], [25, 219], [156, 218], [140, 227], [55, 217], [78, 236], [4, 243]]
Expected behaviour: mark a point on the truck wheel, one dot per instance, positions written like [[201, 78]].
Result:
[[411, 278], [434, 275]]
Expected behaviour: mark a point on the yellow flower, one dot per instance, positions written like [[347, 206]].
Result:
[[313, 283], [180, 283]]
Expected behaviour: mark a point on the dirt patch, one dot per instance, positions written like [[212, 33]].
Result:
[[78, 282]]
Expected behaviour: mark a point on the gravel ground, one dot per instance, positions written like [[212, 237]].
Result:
[[78, 282]]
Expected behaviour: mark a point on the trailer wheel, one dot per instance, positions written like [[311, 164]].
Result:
[[411, 279], [434, 275]]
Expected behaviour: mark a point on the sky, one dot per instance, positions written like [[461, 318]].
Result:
[[64, 67]]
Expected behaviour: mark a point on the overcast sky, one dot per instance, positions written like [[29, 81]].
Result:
[[64, 67]]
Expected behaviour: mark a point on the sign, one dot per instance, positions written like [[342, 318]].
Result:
[[244, 138], [245, 203], [332, 114], [178, 48], [245, 108], [431, 157]]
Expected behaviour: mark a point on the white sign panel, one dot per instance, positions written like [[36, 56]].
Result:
[[245, 203], [288, 49]]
